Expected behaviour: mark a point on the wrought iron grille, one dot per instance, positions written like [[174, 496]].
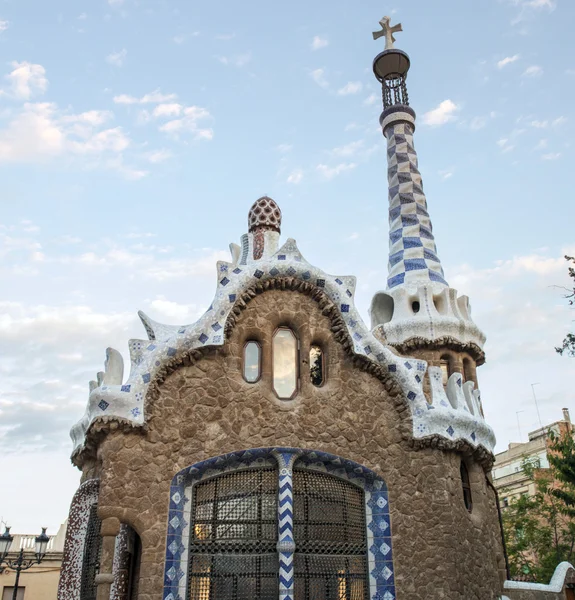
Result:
[[394, 90], [91, 560], [233, 537], [331, 545]]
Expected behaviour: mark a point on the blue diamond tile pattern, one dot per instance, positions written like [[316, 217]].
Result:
[[412, 251]]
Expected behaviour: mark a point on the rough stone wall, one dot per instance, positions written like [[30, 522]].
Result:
[[440, 550]]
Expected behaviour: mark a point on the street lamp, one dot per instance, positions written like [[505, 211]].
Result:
[[19, 564]]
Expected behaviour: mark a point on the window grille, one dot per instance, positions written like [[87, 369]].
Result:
[[331, 545], [234, 532], [234, 536], [91, 560]]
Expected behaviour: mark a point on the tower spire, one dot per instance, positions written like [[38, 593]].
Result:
[[413, 255], [418, 303]]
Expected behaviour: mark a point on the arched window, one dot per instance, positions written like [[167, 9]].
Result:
[[235, 530], [259, 523], [466, 485], [285, 363], [316, 365], [91, 556], [252, 366]]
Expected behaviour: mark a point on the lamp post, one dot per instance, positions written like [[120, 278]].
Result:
[[19, 563]]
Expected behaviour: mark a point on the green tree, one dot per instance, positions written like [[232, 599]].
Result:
[[568, 345], [540, 529], [562, 461]]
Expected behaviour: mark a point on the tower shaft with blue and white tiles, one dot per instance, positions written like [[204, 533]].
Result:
[[418, 310], [412, 252]]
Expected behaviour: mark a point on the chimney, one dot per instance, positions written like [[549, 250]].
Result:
[[566, 416]]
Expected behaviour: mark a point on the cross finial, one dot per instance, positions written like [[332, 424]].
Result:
[[387, 31]]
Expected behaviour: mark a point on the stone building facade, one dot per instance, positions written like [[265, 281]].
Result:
[[281, 448]]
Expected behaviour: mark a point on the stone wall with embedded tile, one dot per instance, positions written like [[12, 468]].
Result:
[[71, 571], [206, 409]]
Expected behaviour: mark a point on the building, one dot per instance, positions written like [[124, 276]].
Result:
[[281, 448], [39, 582], [508, 476]]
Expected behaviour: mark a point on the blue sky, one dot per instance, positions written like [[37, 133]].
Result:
[[135, 135]]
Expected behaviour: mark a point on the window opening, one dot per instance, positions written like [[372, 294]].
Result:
[[234, 536], [316, 365], [415, 306], [252, 361], [285, 363], [445, 370], [330, 560], [91, 561], [466, 486]]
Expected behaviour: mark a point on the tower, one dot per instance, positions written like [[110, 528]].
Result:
[[418, 313]]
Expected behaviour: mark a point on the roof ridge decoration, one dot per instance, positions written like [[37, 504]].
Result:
[[112, 399]]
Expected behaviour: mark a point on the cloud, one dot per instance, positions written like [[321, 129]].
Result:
[[172, 109], [446, 173], [295, 176], [505, 145], [283, 148], [189, 122], [551, 156], [159, 156], [351, 87], [371, 99], [115, 3], [238, 60], [348, 150], [328, 172], [117, 59], [441, 114], [27, 79], [318, 75], [4, 25], [155, 97], [533, 71], [507, 61], [319, 42], [529, 8]]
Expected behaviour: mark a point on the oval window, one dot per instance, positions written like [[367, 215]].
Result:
[[316, 365], [285, 363], [252, 361]]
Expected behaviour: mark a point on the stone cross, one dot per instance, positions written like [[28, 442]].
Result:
[[387, 31]]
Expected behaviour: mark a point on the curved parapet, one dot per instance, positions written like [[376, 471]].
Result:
[[455, 411], [525, 589], [427, 313], [125, 401]]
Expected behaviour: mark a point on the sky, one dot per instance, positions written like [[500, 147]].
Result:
[[136, 134]]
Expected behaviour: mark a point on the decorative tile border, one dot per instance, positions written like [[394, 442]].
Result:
[[378, 525], [71, 571]]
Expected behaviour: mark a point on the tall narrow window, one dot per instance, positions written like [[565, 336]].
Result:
[[466, 486], [234, 536], [91, 561], [329, 525], [316, 365], [252, 361], [285, 359], [445, 370]]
